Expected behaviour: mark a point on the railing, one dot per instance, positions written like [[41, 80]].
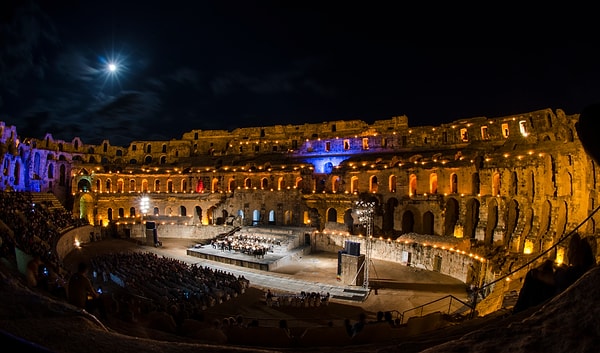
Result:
[[437, 305]]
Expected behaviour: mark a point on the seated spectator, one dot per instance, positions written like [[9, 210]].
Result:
[[360, 324], [80, 291], [33, 269]]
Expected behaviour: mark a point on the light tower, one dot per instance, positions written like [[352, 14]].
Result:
[[365, 211]]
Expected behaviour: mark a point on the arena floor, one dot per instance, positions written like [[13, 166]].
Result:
[[392, 286]]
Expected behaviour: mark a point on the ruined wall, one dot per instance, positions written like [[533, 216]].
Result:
[[516, 183]]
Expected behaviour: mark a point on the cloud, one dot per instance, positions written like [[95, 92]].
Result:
[[282, 82], [74, 66], [185, 75], [27, 33]]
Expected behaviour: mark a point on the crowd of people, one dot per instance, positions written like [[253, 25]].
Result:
[[254, 245], [133, 286], [300, 300], [32, 228], [157, 283]]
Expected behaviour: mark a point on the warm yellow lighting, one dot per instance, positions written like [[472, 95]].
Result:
[[560, 255], [528, 248]]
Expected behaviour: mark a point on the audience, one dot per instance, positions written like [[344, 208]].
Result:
[[149, 285]]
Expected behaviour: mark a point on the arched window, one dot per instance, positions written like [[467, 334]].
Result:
[[496, 184], [454, 183], [433, 184], [412, 185], [373, 184], [62, 175], [354, 184], [392, 183]]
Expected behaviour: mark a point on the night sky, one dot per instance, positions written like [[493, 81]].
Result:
[[184, 65]]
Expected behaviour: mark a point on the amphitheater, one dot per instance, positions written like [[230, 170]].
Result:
[[479, 200]]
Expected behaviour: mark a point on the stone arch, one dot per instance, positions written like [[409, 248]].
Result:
[[198, 212], [373, 186], [272, 219], [298, 181], [335, 184], [264, 183], [331, 215], [471, 218], [532, 185], [496, 184], [528, 226], [211, 215], [200, 186], [62, 171], [514, 184], [280, 183], [392, 183], [86, 208], [475, 184], [388, 215], [349, 220], [433, 183], [428, 223], [84, 186], [412, 185], [354, 184], [182, 211], [512, 220], [561, 220], [454, 183], [451, 215], [545, 218], [287, 217], [408, 222], [492, 222]]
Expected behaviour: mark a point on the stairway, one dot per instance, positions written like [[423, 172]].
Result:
[[48, 200]]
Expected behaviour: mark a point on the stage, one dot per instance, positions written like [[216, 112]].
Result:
[[270, 261]]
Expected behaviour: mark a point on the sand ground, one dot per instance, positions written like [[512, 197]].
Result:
[[393, 287]]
